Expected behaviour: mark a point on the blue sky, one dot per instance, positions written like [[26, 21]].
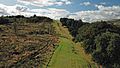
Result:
[[87, 10]]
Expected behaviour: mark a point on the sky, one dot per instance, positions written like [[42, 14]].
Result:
[[87, 10]]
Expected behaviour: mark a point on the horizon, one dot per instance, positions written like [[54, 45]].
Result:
[[86, 10]]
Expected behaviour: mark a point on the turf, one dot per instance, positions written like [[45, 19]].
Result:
[[65, 57], [69, 54]]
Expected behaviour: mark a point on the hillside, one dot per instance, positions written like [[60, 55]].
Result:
[[40, 42], [115, 22], [25, 43], [33, 42]]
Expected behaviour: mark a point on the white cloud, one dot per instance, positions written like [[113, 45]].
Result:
[[103, 3], [103, 13], [43, 3], [23, 10], [85, 3], [51, 12], [92, 4], [12, 10]]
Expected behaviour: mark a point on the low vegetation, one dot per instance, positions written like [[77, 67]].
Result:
[[26, 42]]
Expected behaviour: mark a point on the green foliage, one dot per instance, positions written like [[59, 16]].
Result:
[[88, 32], [22, 19], [4, 20], [107, 50], [72, 25], [102, 41]]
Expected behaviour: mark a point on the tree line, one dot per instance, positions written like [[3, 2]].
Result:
[[45, 26], [21, 18], [100, 39]]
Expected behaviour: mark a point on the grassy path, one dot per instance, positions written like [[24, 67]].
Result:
[[65, 57], [68, 54]]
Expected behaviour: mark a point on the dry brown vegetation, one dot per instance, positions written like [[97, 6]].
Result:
[[26, 45]]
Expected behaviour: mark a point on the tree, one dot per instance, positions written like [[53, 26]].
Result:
[[87, 33], [102, 41], [72, 25], [107, 50], [4, 20]]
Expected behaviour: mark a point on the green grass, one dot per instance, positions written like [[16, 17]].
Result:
[[69, 54], [64, 57], [61, 31]]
